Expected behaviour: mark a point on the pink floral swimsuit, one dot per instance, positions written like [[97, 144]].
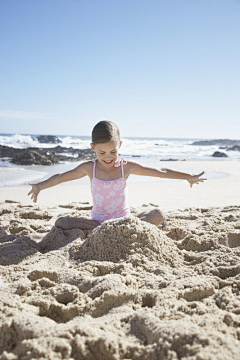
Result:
[[109, 196]]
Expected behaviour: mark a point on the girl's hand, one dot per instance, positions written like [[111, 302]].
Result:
[[195, 179], [34, 192]]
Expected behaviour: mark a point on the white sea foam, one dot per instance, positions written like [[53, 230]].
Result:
[[18, 176], [149, 150], [154, 148], [18, 141]]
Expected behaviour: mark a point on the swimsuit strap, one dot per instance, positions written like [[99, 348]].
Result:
[[117, 164], [121, 162], [94, 167], [122, 169]]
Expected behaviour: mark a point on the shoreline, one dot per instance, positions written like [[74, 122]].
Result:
[[168, 194], [21, 175]]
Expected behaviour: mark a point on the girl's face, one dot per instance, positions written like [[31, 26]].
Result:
[[107, 153]]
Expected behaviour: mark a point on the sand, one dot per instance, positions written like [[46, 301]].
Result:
[[126, 290], [169, 195]]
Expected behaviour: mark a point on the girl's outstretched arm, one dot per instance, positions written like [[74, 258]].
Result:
[[137, 169], [77, 173]]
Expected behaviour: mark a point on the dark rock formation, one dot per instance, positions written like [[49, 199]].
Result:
[[33, 157], [48, 139], [48, 156], [172, 160], [220, 142], [219, 154], [234, 148]]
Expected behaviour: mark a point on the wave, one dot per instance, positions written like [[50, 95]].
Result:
[[148, 151], [152, 148], [19, 176]]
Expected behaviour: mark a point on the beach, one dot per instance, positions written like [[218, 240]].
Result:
[[100, 91], [127, 290], [167, 194]]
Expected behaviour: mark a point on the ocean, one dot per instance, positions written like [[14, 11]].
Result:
[[147, 151]]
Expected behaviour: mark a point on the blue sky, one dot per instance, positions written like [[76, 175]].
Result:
[[162, 68]]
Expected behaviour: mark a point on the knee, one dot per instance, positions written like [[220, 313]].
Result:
[[154, 216], [157, 216], [60, 222], [159, 213]]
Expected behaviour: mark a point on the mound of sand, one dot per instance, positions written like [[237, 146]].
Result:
[[127, 239], [127, 290]]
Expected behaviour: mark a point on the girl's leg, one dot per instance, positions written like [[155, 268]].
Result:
[[155, 217], [68, 223]]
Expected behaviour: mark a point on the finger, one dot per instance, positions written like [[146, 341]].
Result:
[[200, 179], [199, 175], [30, 192]]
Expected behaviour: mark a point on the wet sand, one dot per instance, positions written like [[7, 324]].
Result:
[[169, 195]]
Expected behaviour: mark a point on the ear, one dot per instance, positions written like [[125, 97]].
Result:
[[92, 146], [120, 144]]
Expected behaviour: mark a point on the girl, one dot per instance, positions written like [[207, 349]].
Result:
[[108, 175]]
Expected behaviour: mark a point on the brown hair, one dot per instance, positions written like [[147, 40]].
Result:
[[105, 131]]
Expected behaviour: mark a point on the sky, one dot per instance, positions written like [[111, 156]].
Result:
[[157, 68]]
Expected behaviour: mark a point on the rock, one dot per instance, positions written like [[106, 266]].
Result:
[[47, 156], [48, 139], [220, 142], [234, 148], [33, 157], [172, 160], [219, 154], [168, 160], [6, 151]]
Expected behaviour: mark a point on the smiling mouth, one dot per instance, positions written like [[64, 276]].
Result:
[[108, 162]]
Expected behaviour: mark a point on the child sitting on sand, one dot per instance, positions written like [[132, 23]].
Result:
[[108, 175]]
